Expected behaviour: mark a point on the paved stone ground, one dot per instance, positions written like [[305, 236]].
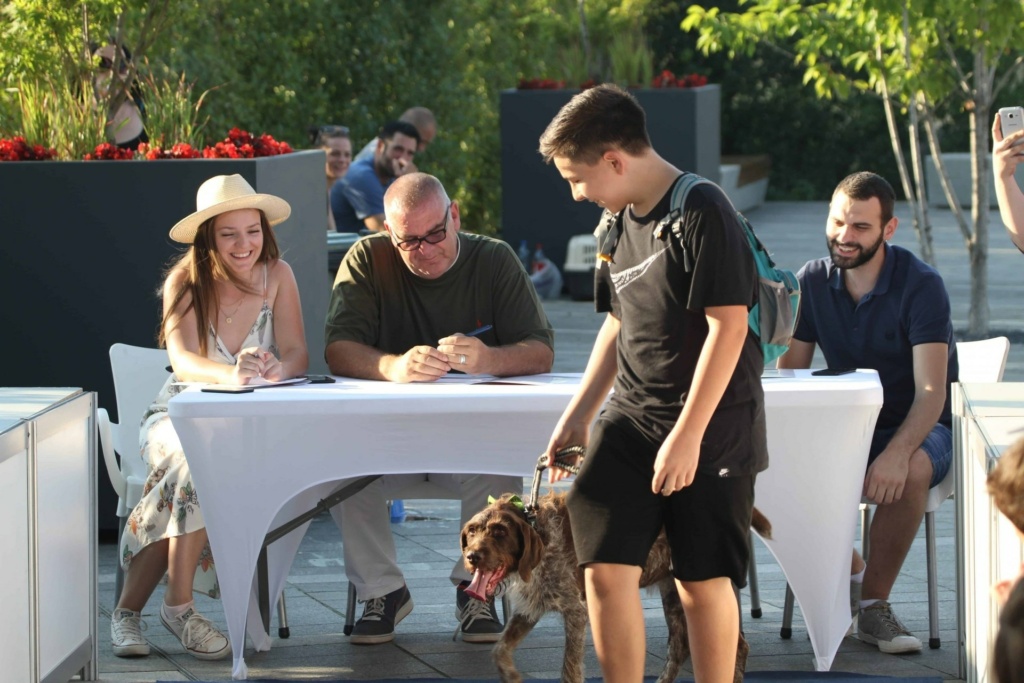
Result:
[[427, 541]]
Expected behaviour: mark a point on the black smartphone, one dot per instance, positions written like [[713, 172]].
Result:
[[320, 379], [227, 390], [829, 372]]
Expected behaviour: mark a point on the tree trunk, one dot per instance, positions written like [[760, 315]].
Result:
[[977, 248], [924, 232], [918, 207]]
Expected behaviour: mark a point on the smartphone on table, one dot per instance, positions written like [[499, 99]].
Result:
[[1011, 120], [832, 372]]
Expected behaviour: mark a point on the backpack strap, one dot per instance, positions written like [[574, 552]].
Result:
[[672, 223]]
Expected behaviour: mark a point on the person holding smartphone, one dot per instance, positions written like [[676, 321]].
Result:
[[231, 313], [1007, 153], [873, 305]]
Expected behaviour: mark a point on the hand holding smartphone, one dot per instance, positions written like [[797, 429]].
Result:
[[1011, 120]]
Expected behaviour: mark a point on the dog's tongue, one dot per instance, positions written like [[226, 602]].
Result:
[[478, 586]]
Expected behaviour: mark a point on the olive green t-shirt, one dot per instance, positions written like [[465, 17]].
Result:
[[379, 302]]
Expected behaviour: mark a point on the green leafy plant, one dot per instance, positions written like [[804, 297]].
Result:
[[629, 58], [57, 114], [172, 112]]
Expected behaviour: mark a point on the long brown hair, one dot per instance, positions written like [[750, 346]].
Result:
[[203, 267]]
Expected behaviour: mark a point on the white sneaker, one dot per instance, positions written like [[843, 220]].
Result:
[[197, 634], [126, 627]]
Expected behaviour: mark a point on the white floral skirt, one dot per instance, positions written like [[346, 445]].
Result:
[[169, 505]]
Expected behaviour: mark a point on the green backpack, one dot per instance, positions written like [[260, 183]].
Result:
[[773, 317]]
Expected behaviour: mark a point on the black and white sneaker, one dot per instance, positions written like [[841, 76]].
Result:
[[478, 620], [380, 616]]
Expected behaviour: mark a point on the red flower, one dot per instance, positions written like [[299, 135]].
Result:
[[109, 152], [240, 144], [16, 149], [180, 150], [667, 79]]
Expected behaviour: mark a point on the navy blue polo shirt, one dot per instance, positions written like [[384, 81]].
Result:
[[908, 306]]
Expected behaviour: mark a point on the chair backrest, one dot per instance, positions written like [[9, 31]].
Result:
[[983, 360], [138, 375]]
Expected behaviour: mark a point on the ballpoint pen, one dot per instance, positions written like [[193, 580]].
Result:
[[479, 330]]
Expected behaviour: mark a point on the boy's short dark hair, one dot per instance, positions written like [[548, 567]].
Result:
[[594, 121], [1006, 484], [865, 185], [389, 129]]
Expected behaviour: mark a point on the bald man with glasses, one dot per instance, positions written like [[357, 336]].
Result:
[[402, 303]]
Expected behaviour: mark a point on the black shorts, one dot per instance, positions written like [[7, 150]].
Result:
[[615, 517]]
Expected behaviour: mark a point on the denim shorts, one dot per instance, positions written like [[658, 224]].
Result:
[[938, 445]]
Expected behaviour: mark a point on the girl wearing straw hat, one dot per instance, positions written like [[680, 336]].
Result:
[[231, 316]]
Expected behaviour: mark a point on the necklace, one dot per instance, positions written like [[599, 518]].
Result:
[[228, 316]]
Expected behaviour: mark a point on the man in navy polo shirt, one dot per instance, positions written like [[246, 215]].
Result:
[[873, 305], [357, 200]]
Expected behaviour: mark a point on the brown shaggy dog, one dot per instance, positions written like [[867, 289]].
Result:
[[499, 541]]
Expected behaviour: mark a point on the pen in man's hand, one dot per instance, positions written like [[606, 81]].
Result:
[[479, 330]]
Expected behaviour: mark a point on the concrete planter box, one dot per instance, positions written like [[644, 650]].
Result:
[[958, 164], [684, 125], [86, 245]]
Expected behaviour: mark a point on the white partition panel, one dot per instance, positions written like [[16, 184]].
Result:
[[987, 419], [48, 547], [15, 570], [65, 509]]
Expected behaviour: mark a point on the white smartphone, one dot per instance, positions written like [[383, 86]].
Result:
[[1011, 120]]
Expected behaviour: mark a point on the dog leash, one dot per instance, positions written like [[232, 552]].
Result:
[[562, 457]]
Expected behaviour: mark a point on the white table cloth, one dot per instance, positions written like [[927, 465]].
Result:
[[273, 453]]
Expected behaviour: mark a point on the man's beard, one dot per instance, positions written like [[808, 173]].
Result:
[[859, 258], [385, 168]]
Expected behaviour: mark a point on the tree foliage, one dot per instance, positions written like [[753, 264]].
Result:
[[919, 56]]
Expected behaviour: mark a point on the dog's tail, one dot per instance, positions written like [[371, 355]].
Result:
[[761, 524]]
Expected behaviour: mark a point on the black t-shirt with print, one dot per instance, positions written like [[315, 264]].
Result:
[[660, 304]]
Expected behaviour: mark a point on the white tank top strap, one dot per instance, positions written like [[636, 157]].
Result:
[[265, 284]]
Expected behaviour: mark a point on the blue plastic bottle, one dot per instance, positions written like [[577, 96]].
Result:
[[397, 512], [524, 254]]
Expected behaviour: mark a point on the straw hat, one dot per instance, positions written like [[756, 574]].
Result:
[[224, 193]]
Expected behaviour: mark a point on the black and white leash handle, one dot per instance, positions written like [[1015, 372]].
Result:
[[562, 461]]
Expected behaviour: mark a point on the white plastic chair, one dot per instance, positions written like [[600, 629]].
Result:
[[139, 373], [980, 361]]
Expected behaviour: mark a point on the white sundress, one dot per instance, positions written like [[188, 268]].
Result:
[[169, 506]]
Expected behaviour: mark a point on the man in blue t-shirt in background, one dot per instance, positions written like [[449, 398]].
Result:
[[357, 200], [877, 306]]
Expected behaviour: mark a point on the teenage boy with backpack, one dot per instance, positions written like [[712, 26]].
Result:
[[680, 441]]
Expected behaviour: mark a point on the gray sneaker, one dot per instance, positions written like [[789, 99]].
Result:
[[879, 626], [478, 620], [380, 616], [126, 627], [197, 634]]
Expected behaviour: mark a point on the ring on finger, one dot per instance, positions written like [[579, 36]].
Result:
[[462, 358]]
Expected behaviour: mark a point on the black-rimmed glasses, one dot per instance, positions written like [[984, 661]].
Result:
[[433, 237]]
